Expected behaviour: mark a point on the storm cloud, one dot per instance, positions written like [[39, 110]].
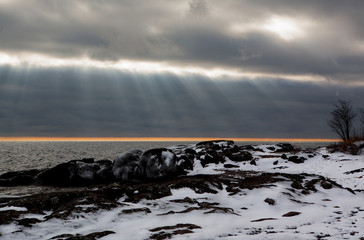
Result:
[[268, 45]]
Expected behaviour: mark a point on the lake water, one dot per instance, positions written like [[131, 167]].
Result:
[[15, 156]]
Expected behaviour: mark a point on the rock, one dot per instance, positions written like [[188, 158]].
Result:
[[104, 174], [216, 144], [238, 155], [326, 185], [284, 156], [253, 162], [85, 171], [185, 157], [126, 165], [285, 147], [296, 159], [28, 222], [159, 163], [19, 178], [230, 166], [214, 151], [275, 162], [57, 176], [91, 236], [270, 201], [291, 214], [263, 219], [297, 185], [136, 210], [76, 172]]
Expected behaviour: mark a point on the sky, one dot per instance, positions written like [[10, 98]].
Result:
[[191, 68]]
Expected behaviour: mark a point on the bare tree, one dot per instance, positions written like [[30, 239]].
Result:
[[342, 120]]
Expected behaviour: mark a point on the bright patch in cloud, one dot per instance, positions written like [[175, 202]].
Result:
[[143, 67], [285, 28]]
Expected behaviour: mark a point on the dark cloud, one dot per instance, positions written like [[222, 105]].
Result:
[[71, 102], [168, 31]]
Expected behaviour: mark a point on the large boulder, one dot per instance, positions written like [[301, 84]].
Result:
[[18, 178], [159, 163], [104, 173], [76, 172], [59, 175], [126, 165]]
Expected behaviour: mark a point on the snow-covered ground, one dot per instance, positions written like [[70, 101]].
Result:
[[275, 210]]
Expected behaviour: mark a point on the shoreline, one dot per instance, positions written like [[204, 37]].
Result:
[[161, 139]]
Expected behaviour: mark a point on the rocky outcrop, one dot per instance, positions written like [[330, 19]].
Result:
[[126, 165], [159, 163], [77, 172], [137, 165]]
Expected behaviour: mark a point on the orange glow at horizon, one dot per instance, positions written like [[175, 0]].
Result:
[[162, 139]]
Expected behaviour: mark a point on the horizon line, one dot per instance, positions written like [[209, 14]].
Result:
[[161, 139]]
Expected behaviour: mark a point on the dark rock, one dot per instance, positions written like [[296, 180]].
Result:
[[326, 185], [230, 166], [251, 148], [270, 201], [310, 185], [275, 162], [91, 236], [178, 229], [216, 151], [75, 173], [297, 185], [354, 171], [136, 210], [271, 148], [127, 165], [296, 159], [263, 219], [216, 144], [87, 160], [9, 175], [291, 214], [21, 180], [239, 155], [9, 215], [104, 174], [28, 222], [210, 156], [284, 156], [284, 147], [159, 163], [57, 176], [84, 170], [253, 162]]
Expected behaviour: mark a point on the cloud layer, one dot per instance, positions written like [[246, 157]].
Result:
[[224, 34], [261, 47]]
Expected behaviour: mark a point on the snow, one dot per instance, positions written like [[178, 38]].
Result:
[[335, 212], [168, 156], [8, 208]]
